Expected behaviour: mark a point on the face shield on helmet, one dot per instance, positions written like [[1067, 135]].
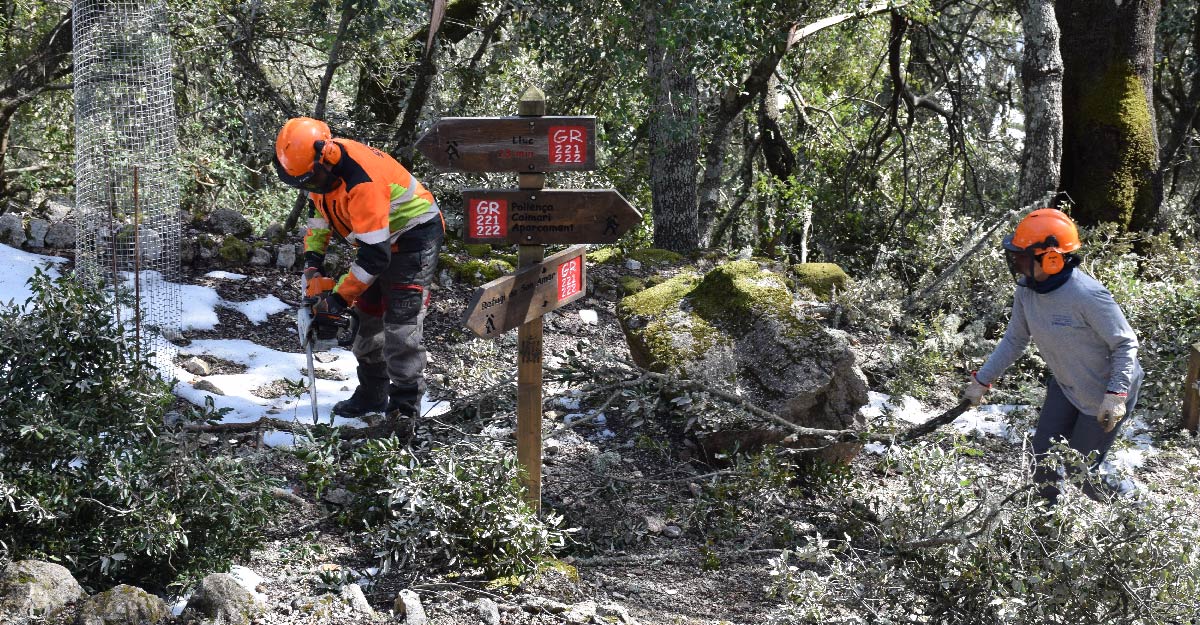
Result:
[[1043, 240], [317, 180], [1020, 261], [300, 158]]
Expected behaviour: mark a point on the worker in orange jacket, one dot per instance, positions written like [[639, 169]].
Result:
[[373, 203]]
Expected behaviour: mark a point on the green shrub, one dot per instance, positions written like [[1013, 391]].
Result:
[[458, 506], [88, 476]]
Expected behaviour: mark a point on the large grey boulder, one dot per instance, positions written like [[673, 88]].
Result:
[[12, 230], [287, 256], [34, 588], [221, 597], [37, 232], [61, 235], [229, 222], [739, 329], [123, 605]]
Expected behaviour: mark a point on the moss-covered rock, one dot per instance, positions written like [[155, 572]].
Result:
[[220, 597], [474, 271], [604, 256], [234, 251], [655, 256], [478, 250], [737, 328], [821, 278], [32, 587], [123, 605], [631, 285]]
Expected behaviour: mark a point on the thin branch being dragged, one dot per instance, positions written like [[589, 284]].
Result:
[[621, 376]]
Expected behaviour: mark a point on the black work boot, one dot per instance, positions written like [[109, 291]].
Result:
[[404, 401], [370, 396]]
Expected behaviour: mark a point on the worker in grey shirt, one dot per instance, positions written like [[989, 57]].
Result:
[[1082, 335]]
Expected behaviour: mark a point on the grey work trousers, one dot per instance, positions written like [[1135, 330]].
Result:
[[1059, 420], [391, 316]]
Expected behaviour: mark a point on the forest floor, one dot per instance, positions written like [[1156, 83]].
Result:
[[650, 539], [635, 544]]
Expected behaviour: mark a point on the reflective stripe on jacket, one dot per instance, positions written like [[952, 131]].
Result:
[[378, 201]]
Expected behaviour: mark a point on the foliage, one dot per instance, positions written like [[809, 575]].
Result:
[[949, 548], [458, 505], [88, 473]]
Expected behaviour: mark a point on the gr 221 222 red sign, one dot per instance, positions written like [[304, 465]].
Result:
[[489, 218], [568, 144], [570, 278]]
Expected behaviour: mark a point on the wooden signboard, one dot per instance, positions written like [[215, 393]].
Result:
[[546, 216], [511, 144], [1191, 391], [508, 302]]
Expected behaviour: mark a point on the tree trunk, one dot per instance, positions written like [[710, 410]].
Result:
[[1041, 80], [1110, 142], [674, 129]]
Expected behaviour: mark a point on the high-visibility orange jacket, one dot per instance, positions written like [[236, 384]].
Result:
[[377, 201]]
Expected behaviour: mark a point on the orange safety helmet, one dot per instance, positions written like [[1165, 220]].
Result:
[[1045, 234], [303, 154]]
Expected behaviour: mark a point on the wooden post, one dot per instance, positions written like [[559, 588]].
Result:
[[529, 341], [1191, 392]]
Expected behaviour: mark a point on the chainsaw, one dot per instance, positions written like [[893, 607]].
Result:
[[310, 339]]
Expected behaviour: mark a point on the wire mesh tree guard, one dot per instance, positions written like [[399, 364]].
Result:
[[126, 178]]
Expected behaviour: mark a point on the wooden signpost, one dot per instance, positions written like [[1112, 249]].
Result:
[[532, 217], [547, 216], [511, 301], [514, 144]]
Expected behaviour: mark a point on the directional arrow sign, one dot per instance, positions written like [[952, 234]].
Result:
[[505, 303], [518, 144], [545, 216]]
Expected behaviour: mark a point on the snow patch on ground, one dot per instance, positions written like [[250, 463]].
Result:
[[19, 267]]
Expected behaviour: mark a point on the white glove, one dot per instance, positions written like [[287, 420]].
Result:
[[1112, 410], [974, 390]]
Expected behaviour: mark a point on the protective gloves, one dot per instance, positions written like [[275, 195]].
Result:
[[1112, 410], [328, 314], [974, 390]]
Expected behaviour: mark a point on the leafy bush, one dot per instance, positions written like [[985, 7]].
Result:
[[88, 475], [460, 506], [952, 547]]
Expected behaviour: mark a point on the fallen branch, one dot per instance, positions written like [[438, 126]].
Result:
[[292, 427]]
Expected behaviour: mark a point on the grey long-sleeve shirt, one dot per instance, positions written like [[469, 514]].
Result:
[[1082, 335]]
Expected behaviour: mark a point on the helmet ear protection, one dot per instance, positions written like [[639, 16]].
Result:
[[1052, 260], [326, 153]]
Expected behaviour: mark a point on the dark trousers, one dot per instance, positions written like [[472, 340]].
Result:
[[392, 313], [1061, 420]]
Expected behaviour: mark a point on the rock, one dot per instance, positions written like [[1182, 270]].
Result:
[[655, 525], [187, 251], [172, 418], [409, 604], [37, 232], [58, 207], [260, 257], [542, 605], [353, 595], [229, 222], [737, 328], [12, 231], [555, 580], [489, 612], [205, 385], [196, 365], [581, 613], [633, 265], [551, 447], [234, 251], [61, 235], [274, 233], [337, 497], [672, 531], [823, 279], [32, 587], [123, 605], [286, 256], [614, 612], [219, 596], [589, 316]]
